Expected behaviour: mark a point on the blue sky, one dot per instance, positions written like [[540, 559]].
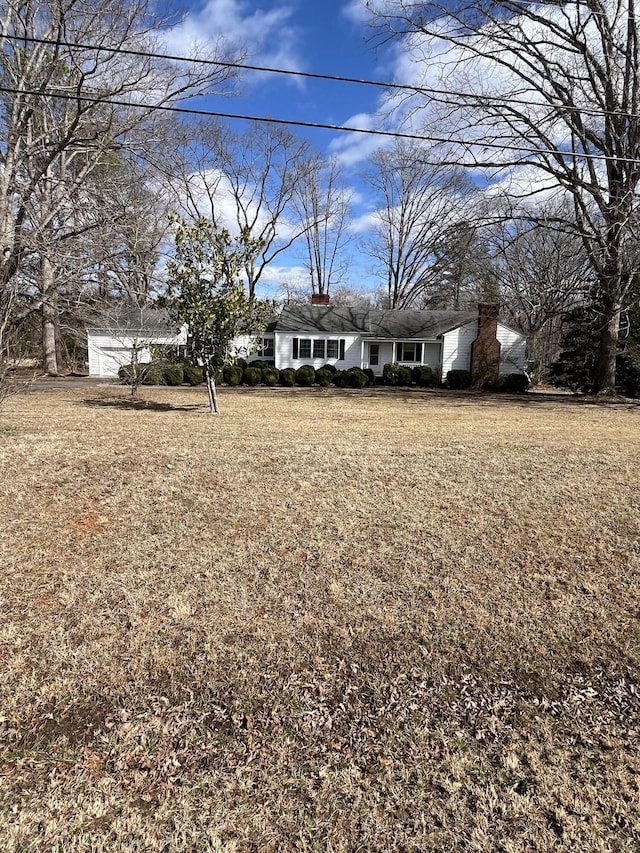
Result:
[[299, 35], [329, 38]]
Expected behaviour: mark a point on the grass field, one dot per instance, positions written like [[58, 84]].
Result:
[[323, 621]]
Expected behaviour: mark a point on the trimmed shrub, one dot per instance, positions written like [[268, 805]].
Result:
[[260, 364], [324, 377], [305, 376], [330, 367], [172, 374], [341, 378], [232, 374], [390, 374], [270, 376], [239, 362], [458, 380], [192, 374], [126, 373], [370, 375], [288, 377], [152, 374], [395, 374], [423, 376], [357, 378], [252, 376], [514, 383]]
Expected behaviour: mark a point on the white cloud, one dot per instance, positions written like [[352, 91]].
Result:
[[267, 36]]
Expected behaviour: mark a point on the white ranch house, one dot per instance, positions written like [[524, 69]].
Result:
[[346, 337], [371, 338]]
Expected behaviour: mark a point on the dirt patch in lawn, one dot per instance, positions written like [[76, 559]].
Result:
[[321, 621]]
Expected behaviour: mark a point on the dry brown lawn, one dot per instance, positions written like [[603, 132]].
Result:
[[324, 621]]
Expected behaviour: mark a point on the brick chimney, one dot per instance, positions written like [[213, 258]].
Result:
[[319, 298], [485, 350]]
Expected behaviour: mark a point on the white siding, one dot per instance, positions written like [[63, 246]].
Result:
[[108, 351], [456, 348], [284, 350], [513, 350]]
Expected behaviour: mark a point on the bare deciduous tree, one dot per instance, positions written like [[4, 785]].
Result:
[[418, 202], [551, 92], [63, 107], [323, 204], [246, 182]]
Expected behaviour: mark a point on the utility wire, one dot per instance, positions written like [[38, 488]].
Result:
[[406, 87], [467, 144]]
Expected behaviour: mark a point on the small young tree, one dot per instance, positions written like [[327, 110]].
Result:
[[204, 290]]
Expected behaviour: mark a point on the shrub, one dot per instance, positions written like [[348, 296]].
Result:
[[370, 375], [514, 383], [357, 378], [239, 362], [341, 378], [252, 375], [458, 379], [395, 374], [172, 374], [270, 376], [232, 374], [126, 373], [260, 364], [423, 376], [288, 377], [152, 374], [324, 377], [330, 367], [390, 374], [305, 375], [192, 374]]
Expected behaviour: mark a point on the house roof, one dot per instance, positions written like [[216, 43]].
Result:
[[130, 319], [371, 323]]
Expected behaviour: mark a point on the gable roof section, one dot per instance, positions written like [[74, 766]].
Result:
[[371, 323], [334, 320], [402, 325], [131, 319]]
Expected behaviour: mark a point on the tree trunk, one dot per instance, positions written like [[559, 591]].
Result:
[[49, 354], [213, 396], [605, 378]]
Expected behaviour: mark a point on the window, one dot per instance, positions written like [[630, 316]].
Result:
[[332, 349], [374, 353], [305, 348], [321, 349], [266, 349], [409, 352]]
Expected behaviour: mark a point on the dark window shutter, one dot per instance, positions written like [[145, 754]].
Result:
[[342, 346], [398, 352], [295, 347], [419, 353]]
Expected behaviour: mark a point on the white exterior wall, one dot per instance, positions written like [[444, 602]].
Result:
[[513, 351], [109, 351], [284, 350], [456, 347]]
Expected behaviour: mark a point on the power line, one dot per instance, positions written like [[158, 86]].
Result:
[[467, 144], [380, 84]]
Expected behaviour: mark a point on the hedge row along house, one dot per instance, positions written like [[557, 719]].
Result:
[[319, 333]]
